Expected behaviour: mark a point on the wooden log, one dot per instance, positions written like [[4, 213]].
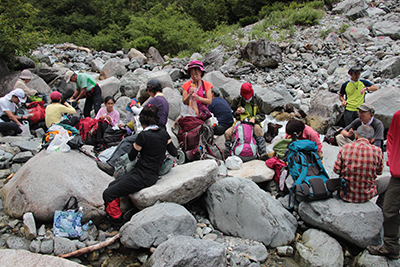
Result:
[[91, 248]]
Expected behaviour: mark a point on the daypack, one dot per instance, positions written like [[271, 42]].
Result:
[[189, 132], [37, 111], [112, 137], [307, 171], [244, 144], [87, 129], [331, 134]]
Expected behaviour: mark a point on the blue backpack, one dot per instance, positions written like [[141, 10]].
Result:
[[307, 171]]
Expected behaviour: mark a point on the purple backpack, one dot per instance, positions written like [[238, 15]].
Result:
[[244, 144]]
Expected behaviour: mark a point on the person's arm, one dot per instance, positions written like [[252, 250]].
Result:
[[337, 167], [205, 100], [136, 148], [81, 94], [185, 97], [379, 167], [369, 87], [172, 149], [13, 117], [342, 100], [347, 133], [67, 108]]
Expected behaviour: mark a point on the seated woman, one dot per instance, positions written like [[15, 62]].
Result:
[[302, 132], [107, 116], [55, 111], [152, 143], [9, 123]]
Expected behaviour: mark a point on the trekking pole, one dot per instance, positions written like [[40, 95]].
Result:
[[88, 154]]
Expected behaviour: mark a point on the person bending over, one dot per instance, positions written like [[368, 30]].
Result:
[[9, 122]]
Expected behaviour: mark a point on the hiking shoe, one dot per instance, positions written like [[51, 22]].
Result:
[[106, 167], [119, 172], [382, 251], [264, 156]]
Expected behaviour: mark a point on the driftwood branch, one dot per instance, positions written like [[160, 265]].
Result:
[[72, 46], [91, 248]]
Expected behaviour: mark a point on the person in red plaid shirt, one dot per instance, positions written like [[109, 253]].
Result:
[[360, 163]]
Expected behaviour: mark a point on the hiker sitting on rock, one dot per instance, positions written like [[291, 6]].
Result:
[[359, 163], [154, 89], [9, 123], [248, 105], [221, 110], [55, 111], [302, 132], [352, 94], [86, 87], [152, 144], [366, 117], [24, 78]]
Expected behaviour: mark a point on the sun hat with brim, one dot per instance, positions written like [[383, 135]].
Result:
[[196, 64], [26, 75], [246, 91], [367, 107], [55, 95], [18, 93], [68, 75]]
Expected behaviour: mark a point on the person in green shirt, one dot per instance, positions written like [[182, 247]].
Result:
[[86, 87]]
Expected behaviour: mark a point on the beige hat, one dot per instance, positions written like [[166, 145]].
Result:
[[367, 107], [68, 75], [26, 74]]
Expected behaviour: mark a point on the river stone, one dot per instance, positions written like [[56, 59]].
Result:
[[22, 157], [238, 207], [15, 242], [109, 86], [187, 251], [358, 223], [63, 245], [13, 258], [255, 170], [318, 249], [151, 226], [174, 99], [367, 260], [29, 225], [60, 176], [181, 185]]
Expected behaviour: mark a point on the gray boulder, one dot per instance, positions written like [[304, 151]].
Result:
[[129, 85], [109, 86], [385, 103], [16, 257], [255, 170], [29, 226], [174, 100], [187, 251], [238, 207], [137, 55], [63, 245], [16, 242], [317, 248], [7, 83], [388, 27], [367, 260], [389, 67], [24, 63], [154, 57], [97, 65], [358, 35], [60, 176], [352, 9], [120, 106], [214, 59], [274, 98], [113, 67], [181, 185], [358, 223], [326, 110], [262, 53], [151, 226]]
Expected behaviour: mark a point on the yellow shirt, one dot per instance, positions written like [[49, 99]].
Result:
[[54, 112]]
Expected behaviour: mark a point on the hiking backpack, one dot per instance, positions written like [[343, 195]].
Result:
[[112, 137], [37, 111], [307, 171], [330, 136], [244, 144], [87, 130]]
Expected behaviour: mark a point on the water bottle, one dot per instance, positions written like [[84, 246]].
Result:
[[87, 225]]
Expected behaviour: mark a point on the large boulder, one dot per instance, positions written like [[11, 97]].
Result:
[[262, 53], [385, 103], [135, 54], [351, 8], [358, 223], [187, 251], [109, 86], [317, 248], [151, 226], [389, 67], [388, 27], [19, 257], [154, 57], [273, 97], [255, 170], [326, 110], [214, 59], [238, 207], [181, 185], [174, 98], [113, 67], [46, 182]]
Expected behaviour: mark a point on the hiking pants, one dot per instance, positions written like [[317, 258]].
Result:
[[9, 128], [125, 146], [391, 216], [349, 117], [220, 129], [93, 99]]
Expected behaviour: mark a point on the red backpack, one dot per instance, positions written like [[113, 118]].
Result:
[[87, 129], [37, 111], [189, 132]]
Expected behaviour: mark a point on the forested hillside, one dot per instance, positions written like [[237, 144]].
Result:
[[172, 26]]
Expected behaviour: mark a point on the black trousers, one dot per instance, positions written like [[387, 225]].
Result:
[[93, 99]]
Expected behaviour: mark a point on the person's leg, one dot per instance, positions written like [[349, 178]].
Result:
[[9, 128], [391, 216], [382, 184], [125, 146], [349, 116], [96, 98], [260, 140], [220, 129], [341, 140], [88, 106], [228, 139]]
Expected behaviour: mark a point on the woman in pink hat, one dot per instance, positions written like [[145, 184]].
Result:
[[197, 90]]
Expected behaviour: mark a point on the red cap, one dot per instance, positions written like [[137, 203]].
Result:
[[246, 91], [55, 95]]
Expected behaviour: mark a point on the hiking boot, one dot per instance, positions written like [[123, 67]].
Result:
[[382, 251], [264, 156], [106, 167], [119, 172]]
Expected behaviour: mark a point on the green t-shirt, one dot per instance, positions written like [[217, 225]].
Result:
[[85, 81]]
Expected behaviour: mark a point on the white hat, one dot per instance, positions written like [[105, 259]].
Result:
[[68, 75], [18, 93], [26, 74]]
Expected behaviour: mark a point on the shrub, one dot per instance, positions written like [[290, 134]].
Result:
[[143, 43]]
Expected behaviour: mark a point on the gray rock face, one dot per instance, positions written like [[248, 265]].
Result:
[[55, 183], [13, 258], [359, 224], [174, 99], [273, 97], [262, 53], [213, 60], [238, 207], [389, 67], [181, 185], [385, 103], [151, 226], [389, 27], [129, 85], [254, 170], [187, 251], [154, 57], [318, 249], [113, 67], [63, 245], [109, 86], [24, 63]]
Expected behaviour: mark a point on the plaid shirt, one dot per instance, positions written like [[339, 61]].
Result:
[[359, 163]]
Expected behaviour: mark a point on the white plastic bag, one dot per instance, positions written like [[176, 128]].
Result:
[[233, 163], [25, 128], [213, 120], [59, 143], [187, 111]]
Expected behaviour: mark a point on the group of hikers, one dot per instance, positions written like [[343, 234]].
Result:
[[359, 162]]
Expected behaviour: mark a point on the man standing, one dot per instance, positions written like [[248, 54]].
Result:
[[366, 117], [86, 87], [391, 205], [359, 163], [352, 94], [221, 110]]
